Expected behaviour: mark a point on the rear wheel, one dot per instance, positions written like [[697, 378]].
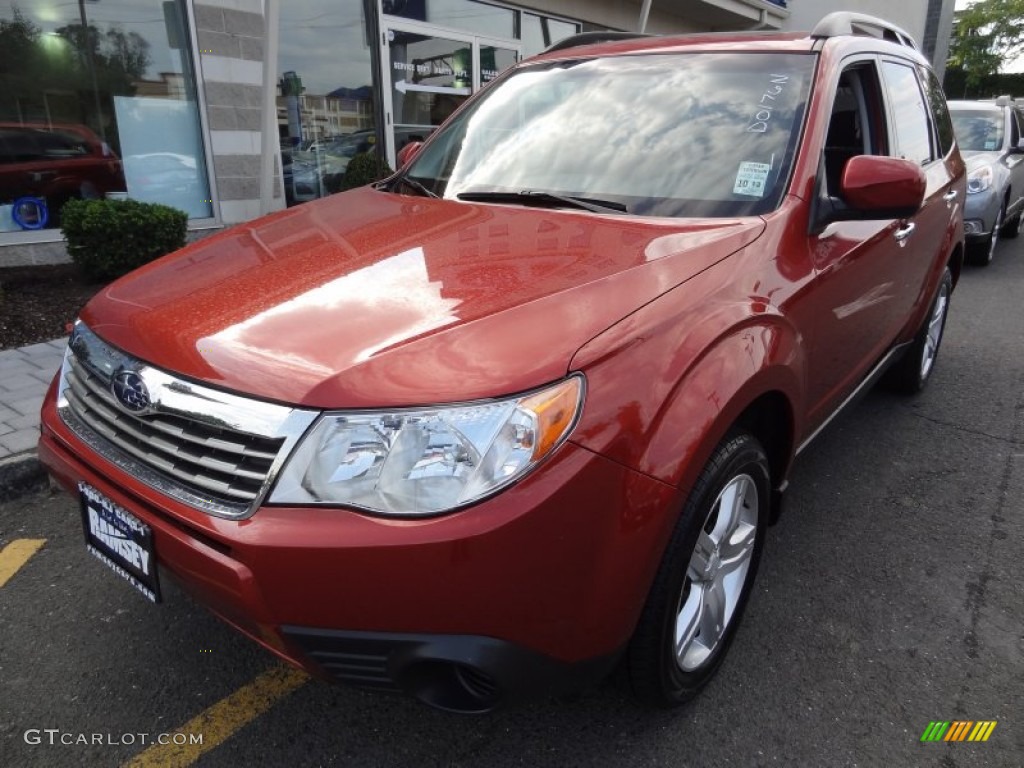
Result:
[[704, 579], [912, 372]]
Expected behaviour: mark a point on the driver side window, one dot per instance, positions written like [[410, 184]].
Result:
[[857, 123]]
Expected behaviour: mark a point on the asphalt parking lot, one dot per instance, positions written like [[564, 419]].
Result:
[[891, 595]]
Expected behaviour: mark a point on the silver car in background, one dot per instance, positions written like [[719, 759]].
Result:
[[991, 141]]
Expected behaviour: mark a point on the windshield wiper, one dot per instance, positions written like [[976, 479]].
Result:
[[419, 187], [532, 196]]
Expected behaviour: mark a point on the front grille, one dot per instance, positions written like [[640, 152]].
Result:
[[222, 463], [213, 450]]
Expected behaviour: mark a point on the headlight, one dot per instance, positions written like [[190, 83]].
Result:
[[429, 460], [979, 180]]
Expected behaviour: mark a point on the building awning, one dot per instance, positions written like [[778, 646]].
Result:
[[722, 15]]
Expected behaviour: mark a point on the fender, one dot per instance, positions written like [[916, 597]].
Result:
[[667, 383], [756, 359], [664, 388]]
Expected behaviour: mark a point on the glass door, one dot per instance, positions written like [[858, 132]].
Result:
[[428, 72], [495, 56]]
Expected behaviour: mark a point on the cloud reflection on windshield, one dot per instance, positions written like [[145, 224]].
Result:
[[640, 130]]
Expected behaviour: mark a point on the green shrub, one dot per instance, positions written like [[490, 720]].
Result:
[[365, 169], [109, 238]]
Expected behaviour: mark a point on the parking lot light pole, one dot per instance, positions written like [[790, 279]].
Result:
[[645, 11]]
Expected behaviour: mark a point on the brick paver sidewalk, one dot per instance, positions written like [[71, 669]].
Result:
[[25, 373]]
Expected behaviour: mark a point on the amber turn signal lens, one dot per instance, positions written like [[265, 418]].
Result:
[[555, 409]]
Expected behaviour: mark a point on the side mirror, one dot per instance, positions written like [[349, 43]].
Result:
[[407, 153], [876, 187]]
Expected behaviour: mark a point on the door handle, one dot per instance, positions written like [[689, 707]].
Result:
[[950, 196], [903, 233]]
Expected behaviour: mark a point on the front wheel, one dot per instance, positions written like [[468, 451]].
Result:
[[1012, 227], [984, 252], [705, 577]]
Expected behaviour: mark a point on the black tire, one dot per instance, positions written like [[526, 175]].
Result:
[[1011, 228], [912, 373], [655, 674]]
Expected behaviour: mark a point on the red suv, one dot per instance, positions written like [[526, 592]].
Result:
[[523, 411], [55, 163]]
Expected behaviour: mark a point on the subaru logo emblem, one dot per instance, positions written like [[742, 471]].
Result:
[[130, 391]]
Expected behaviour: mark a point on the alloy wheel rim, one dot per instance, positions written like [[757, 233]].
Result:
[[716, 574], [934, 334]]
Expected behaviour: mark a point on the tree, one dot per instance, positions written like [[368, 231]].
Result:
[[985, 36], [21, 62], [90, 62], [119, 58]]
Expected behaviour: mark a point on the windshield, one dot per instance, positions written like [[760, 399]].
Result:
[[978, 131], [709, 134]]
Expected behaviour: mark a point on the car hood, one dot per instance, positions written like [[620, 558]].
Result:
[[374, 299], [978, 159]]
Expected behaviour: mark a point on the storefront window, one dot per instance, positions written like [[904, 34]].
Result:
[[97, 98], [327, 101], [465, 15], [325, 106]]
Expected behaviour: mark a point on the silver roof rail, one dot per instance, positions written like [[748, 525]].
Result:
[[849, 23]]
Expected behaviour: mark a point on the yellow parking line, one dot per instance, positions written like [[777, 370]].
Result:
[[221, 721], [15, 555]]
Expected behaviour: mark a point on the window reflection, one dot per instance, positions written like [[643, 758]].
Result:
[[97, 98], [540, 32], [325, 104], [910, 117]]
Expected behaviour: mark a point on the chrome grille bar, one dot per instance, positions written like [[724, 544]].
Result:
[[89, 404], [171, 426], [213, 450]]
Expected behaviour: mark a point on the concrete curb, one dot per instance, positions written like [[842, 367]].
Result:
[[21, 474]]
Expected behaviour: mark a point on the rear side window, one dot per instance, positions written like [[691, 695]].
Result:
[[940, 112], [911, 120], [22, 145], [62, 144], [19, 146]]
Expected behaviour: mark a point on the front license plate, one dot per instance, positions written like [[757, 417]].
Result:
[[120, 540]]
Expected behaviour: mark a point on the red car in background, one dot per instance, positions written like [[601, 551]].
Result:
[[523, 411], [55, 163]]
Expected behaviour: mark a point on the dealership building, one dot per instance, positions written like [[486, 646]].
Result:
[[228, 109]]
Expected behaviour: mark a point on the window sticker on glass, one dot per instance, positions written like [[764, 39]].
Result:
[[751, 178], [990, 145]]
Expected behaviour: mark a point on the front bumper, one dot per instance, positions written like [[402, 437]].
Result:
[[980, 211], [535, 589], [458, 673]]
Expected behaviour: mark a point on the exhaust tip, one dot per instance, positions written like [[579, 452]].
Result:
[[452, 687]]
